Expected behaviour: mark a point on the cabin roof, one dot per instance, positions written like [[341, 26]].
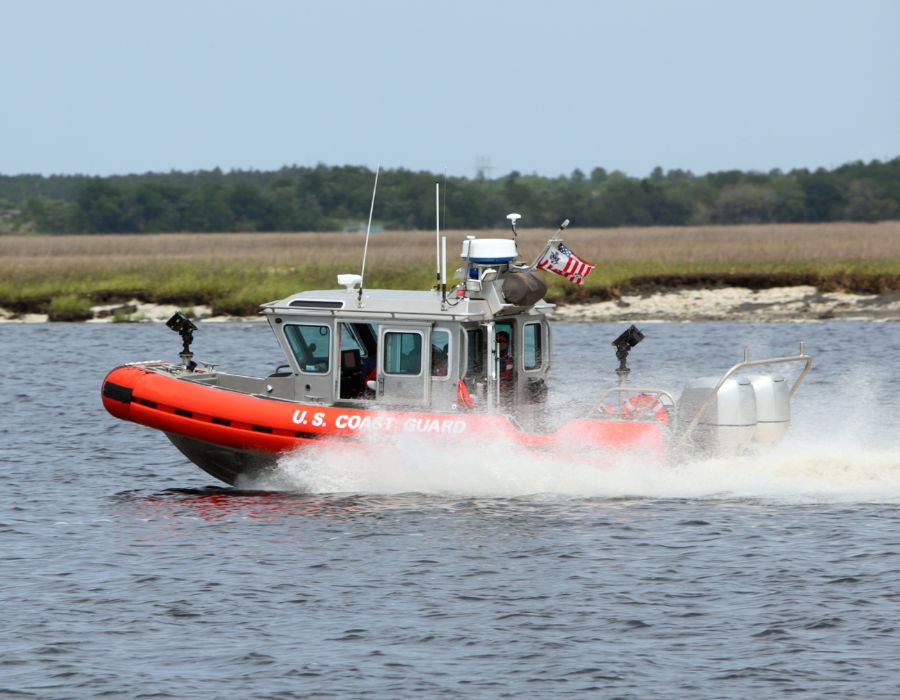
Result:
[[390, 303]]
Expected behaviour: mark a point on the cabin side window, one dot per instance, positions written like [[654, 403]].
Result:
[[532, 346], [504, 332], [311, 345], [403, 353], [440, 352], [475, 351], [349, 340]]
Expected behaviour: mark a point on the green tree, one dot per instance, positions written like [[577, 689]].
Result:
[[744, 203], [824, 200], [866, 202], [50, 215], [104, 207]]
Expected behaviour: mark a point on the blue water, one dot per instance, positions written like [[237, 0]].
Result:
[[128, 572]]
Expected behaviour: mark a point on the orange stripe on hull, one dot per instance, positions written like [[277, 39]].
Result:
[[253, 423]]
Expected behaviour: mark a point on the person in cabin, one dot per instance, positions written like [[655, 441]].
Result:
[[438, 361], [506, 360], [411, 361], [369, 375]]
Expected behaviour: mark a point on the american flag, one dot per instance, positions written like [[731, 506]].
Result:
[[560, 260]]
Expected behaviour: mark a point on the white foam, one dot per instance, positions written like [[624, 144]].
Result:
[[843, 446], [794, 473]]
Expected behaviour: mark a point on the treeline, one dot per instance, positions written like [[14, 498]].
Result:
[[325, 198]]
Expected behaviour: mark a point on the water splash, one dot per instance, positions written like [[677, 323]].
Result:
[[795, 472], [843, 447]]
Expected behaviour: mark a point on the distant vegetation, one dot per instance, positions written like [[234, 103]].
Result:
[[233, 273], [325, 198]]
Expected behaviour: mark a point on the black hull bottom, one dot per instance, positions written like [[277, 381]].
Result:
[[224, 463]]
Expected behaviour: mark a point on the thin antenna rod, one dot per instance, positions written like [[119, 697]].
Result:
[[444, 268], [362, 272], [444, 199], [437, 234]]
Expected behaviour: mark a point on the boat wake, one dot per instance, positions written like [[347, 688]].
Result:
[[795, 472]]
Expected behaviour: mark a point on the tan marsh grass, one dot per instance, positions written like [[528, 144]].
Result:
[[239, 270]]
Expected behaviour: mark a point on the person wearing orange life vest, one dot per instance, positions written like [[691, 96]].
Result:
[[507, 363]]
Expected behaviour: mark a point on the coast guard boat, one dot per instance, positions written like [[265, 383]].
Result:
[[468, 363]]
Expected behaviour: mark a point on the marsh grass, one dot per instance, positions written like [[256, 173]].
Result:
[[69, 307], [235, 272]]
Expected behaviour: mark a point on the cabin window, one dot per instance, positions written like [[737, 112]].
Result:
[[403, 353], [358, 336], [532, 346], [349, 341], [310, 345], [475, 349], [440, 352], [506, 353]]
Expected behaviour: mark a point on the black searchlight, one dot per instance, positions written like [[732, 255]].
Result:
[[182, 325], [623, 344]]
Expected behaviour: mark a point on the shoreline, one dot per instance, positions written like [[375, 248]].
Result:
[[801, 303], [774, 305]]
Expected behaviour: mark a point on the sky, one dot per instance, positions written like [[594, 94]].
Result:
[[113, 87]]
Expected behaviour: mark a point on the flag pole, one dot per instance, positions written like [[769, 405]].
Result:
[[556, 237]]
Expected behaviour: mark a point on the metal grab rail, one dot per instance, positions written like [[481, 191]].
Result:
[[744, 364]]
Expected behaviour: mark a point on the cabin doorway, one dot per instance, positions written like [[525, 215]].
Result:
[[404, 364], [356, 360]]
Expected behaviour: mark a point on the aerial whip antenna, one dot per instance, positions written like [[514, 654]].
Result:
[[444, 199], [437, 235], [362, 272]]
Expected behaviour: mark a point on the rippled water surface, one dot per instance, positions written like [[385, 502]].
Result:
[[127, 572]]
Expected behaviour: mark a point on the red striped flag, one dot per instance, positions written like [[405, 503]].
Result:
[[560, 260]]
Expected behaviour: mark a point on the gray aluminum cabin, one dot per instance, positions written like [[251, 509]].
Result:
[[410, 349]]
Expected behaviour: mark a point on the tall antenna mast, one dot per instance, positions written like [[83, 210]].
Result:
[[443, 269], [437, 235], [362, 272], [444, 199]]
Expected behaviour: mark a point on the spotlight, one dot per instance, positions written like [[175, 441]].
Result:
[[623, 344], [182, 325], [628, 339]]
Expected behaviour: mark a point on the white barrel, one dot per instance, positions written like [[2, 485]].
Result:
[[773, 407], [729, 420]]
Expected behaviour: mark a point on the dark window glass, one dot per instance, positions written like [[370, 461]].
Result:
[[310, 345], [403, 353], [440, 352], [532, 345], [475, 350]]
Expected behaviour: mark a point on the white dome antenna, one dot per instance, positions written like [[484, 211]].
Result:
[[349, 281], [513, 218]]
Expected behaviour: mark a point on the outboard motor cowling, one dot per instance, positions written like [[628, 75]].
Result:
[[773, 407], [729, 420]]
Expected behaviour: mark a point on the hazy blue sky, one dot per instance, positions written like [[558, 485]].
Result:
[[115, 86]]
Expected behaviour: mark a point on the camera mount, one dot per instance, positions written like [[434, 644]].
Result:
[[182, 325], [623, 344]]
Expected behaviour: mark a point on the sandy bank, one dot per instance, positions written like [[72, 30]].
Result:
[[131, 311], [780, 304], [739, 304]]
